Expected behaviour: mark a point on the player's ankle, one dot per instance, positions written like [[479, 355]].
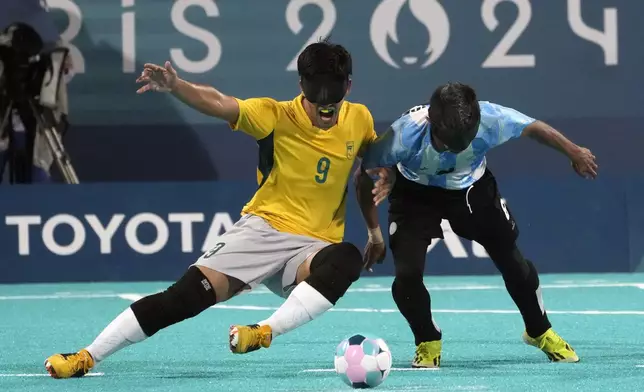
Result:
[[89, 353], [266, 323], [535, 333], [428, 339]]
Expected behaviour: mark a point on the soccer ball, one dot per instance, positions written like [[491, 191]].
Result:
[[362, 361]]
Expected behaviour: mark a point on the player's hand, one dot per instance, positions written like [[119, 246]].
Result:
[[157, 78], [375, 251], [583, 161], [383, 186]]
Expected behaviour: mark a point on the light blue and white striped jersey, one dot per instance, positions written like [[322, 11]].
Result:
[[407, 144]]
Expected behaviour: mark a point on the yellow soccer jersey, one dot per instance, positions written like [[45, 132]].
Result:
[[303, 170]]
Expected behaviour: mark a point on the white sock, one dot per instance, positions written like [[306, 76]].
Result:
[[120, 333], [303, 305]]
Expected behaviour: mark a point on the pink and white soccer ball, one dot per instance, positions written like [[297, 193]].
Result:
[[362, 361]]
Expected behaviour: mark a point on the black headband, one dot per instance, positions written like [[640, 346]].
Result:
[[325, 89]]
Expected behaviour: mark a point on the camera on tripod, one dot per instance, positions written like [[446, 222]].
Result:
[[30, 80]]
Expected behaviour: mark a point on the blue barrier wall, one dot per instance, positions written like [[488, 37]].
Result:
[[154, 231], [213, 152]]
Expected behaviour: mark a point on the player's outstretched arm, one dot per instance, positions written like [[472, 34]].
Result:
[[205, 99], [582, 159]]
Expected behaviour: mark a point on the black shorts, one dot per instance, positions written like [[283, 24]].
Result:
[[476, 213]]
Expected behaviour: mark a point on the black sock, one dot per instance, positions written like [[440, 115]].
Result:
[[522, 282], [413, 301]]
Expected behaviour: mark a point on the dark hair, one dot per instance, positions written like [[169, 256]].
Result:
[[454, 109], [324, 58]]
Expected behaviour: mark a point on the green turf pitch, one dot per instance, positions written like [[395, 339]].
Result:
[[600, 315]]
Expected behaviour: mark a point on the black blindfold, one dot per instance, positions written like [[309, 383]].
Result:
[[324, 89]]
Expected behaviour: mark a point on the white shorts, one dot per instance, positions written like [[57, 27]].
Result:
[[255, 253]]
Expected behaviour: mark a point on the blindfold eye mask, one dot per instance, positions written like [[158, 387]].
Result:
[[325, 89]]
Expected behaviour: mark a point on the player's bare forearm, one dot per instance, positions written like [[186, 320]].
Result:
[[364, 186], [207, 100], [547, 135]]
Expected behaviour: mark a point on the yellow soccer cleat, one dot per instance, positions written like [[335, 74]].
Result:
[[69, 365], [428, 355], [557, 349], [246, 338]]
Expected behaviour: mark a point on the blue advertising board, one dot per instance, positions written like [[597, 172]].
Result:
[[154, 231]]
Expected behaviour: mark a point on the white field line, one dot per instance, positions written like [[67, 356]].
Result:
[[131, 297], [57, 296], [379, 289], [134, 297], [454, 311], [477, 287]]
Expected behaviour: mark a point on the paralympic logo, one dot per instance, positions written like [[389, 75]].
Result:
[[430, 13]]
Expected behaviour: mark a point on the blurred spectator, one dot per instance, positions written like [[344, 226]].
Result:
[[30, 165]]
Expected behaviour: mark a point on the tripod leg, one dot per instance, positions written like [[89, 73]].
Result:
[[4, 128], [63, 162], [61, 157]]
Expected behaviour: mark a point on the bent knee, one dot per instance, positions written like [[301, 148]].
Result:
[[344, 257], [334, 269]]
